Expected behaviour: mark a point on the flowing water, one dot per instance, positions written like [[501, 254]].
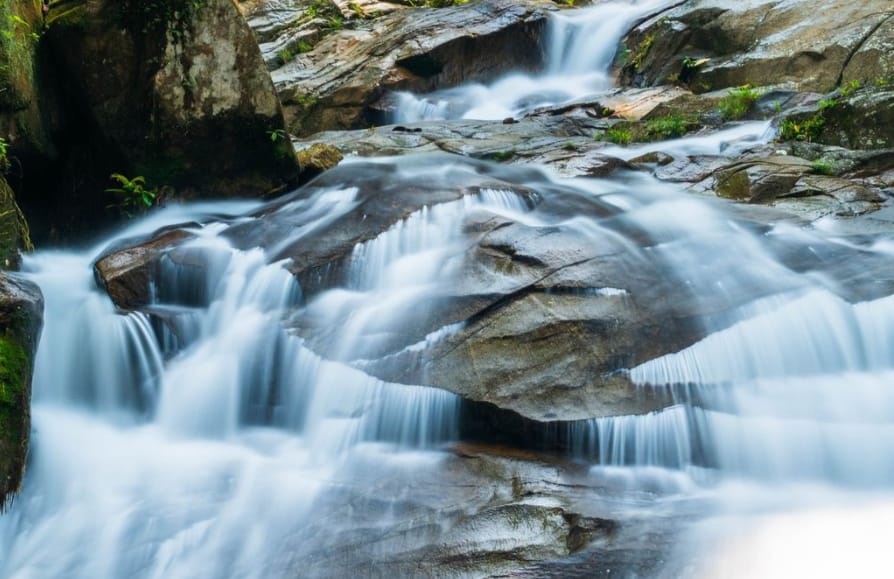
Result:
[[204, 436], [580, 48]]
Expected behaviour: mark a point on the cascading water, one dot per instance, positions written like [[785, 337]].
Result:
[[580, 48], [204, 436]]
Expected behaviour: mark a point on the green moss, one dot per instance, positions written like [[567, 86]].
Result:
[[18, 38], [14, 416], [636, 57], [734, 186]]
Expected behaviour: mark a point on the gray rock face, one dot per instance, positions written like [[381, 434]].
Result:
[[861, 120], [799, 44], [415, 50]]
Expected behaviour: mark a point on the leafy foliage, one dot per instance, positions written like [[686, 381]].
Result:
[[619, 136], [133, 196], [738, 102], [4, 155]]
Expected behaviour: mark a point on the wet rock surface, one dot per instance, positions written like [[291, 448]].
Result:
[[21, 317], [491, 511], [415, 50], [766, 42]]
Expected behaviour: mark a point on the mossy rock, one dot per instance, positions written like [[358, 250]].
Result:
[[14, 235], [317, 158], [21, 308]]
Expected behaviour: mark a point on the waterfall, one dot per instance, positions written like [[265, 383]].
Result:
[[580, 48], [236, 426]]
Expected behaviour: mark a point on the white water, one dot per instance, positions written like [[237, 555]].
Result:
[[201, 440], [580, 49]]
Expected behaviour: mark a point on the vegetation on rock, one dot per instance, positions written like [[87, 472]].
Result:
[[738, 102]]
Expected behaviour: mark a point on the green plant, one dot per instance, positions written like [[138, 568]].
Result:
[[502, 156], [334, 23], [302, 100], [133, 196], [805, 130], [4, 155], [669, 127], [850, 88], [304, 46], [824, 167], [777, 106], [285, 55], [277, 135], [569, 147], [688, 69], [619, 136], [635, 60], [738, 102], [829, 103]]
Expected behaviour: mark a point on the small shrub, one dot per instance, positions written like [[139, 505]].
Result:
[[619, 136], [806, 130], [850, 88], [669, 127], [824, 167], [502, 156], [285, 55], [636, 59], [133, 197], [304, 46], [738, 102], [277, 135], [830, 103], [4, 155]]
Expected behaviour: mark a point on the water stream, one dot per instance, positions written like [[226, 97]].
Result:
[[205, 436], [580, 49]]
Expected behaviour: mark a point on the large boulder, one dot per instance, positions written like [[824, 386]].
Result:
[[21, 311], [413, 50], [175, 92], [855, 119], [801, 44], [541, 317]]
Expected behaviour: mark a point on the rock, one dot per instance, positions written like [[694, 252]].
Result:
[[126, 274], [874, 59], [713, 44], [22, 125], [21, 311], [286, 28], [862, 119], [761, 181], [317, 158], [180, 96], [408, 50], [14, 234], [491, 512], [798, 185]]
